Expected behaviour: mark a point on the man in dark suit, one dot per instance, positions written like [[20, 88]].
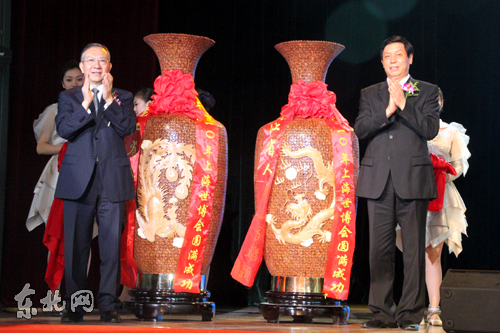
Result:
[[94, 180], [397, 116]]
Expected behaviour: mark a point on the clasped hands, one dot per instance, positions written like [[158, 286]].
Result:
[[396, 99], [107, 82]]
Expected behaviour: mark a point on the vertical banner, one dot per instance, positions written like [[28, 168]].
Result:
[[188, 274], [250, 257], [341, 248]]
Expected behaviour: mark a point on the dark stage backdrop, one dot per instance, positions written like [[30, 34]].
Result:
[[45, 35], [456, 45]]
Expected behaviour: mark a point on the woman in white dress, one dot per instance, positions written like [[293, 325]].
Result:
[[448, 224], [50, 143]]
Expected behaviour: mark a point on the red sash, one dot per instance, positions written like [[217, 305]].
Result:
[[188, 274], [53, 238], [441, 168], [341, 249], [250, 257]]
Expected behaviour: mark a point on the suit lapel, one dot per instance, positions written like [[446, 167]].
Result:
[[92, 109], [383, 93], [79, 94], [99, 118], [100, 114]]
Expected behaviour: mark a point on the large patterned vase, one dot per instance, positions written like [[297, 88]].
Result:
[[164, 193], [302, 204]]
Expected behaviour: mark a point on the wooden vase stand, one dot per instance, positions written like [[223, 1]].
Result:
[[303, 307], [153, 304]]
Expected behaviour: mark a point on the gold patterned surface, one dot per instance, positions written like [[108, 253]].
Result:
[[159, 255], [299, 258], [286, 258], [179, 51], [309, 60], [304, 253]]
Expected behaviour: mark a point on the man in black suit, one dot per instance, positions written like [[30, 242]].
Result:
[[397, 116], [94, 180]]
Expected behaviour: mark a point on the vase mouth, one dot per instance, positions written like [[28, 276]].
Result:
[[179, 51], [309, 59], [305, 41], [174, 34]]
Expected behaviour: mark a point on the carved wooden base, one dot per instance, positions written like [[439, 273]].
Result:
[[153, 304], [303, 307]]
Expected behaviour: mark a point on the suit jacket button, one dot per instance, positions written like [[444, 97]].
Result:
[[96, 138], [391, 137], [388, 158]]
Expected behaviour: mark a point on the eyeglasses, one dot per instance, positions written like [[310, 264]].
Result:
[[102, 61]]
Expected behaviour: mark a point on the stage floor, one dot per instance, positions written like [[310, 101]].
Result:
[[235, 320]]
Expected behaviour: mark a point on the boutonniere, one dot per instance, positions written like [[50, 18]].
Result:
[[115, 97], [410, 89]]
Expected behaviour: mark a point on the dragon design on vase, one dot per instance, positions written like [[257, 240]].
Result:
[[301, 210]]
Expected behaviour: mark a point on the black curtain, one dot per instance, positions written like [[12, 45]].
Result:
[[45, 35], [455, 47]]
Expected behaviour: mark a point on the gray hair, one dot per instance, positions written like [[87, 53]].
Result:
[[94, 45]]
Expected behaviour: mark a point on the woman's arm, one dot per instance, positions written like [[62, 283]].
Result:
[[45, 148]]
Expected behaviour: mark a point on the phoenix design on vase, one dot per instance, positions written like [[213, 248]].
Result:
[[161, 160]]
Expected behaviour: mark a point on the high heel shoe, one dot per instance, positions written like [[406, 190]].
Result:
[[433, 316]]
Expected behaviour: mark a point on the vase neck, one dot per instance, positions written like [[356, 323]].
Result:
[[309, 60], [179, 51]]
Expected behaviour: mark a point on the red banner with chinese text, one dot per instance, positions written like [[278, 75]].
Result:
[[188, 277], [341, 249], [250, 257]]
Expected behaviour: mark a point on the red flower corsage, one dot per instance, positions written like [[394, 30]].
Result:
[[115, 97]]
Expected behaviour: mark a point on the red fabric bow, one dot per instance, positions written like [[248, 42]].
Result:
[[309, 100], [175, 93], [441, 168], [313, 100]]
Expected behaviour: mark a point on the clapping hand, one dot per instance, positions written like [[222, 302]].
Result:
[[391, 108], [87, 94], [397, 95], [107, 82]]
